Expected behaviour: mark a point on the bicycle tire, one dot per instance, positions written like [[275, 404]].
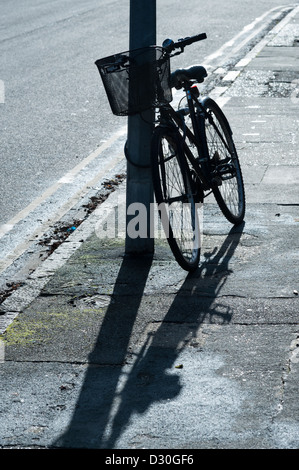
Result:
[[173, 192], [228, 185]]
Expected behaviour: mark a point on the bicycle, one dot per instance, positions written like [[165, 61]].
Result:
[[192, 152]]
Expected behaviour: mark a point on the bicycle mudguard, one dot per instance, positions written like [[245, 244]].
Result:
[[205, 103]]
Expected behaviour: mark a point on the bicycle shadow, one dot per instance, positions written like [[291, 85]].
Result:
[[110, 395]]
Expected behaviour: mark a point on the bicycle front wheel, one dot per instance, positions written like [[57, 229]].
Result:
[[228, 186], [173, 192]]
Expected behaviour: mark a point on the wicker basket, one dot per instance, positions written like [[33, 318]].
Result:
[[136, 80]]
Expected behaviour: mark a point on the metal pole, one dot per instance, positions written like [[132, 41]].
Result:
[[139, 182]]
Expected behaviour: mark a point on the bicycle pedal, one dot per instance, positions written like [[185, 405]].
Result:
[[217, 181]]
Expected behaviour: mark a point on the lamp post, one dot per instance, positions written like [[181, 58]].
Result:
[[139, 182]]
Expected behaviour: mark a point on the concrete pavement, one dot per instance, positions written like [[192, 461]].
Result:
[[100, 350]]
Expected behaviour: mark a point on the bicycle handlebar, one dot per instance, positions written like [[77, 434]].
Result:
[[170, 45]]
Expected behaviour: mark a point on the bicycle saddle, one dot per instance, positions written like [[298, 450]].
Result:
[[195, 72]]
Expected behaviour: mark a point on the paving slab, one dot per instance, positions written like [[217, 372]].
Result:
[[268, 59]]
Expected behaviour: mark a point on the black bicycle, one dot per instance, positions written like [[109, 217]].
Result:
[[192, 153]]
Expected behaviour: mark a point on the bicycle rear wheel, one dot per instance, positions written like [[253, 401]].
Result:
[[173, 192], [228, 186]]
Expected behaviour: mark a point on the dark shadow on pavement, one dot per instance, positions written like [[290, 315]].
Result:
[[111, 394]]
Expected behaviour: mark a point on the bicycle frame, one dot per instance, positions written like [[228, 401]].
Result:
[[200, 164]]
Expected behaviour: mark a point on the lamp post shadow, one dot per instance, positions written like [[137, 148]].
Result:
[[117, 387]]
